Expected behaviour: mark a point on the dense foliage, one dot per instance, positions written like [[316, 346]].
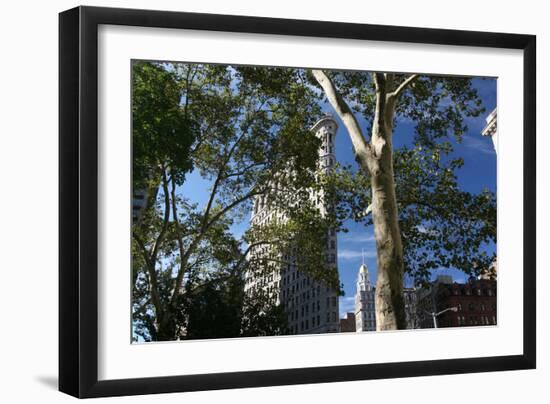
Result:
[[238, 128], [244, 131]]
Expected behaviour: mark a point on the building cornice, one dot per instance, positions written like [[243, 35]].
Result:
[[324, 120]]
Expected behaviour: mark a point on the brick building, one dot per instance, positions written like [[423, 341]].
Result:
[[475, 301], [347, 324]]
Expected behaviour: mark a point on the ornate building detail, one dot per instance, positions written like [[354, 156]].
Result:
[[491, 128], [365, 310], [365, 306]]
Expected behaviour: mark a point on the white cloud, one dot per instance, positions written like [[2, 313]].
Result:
[[347, 304], [346, 254], [358, 238], [480, 144]]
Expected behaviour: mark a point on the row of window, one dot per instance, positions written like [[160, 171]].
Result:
[[474, 291], [369, 315], [475, 320], [301, 299], [478, 307], [315, 322], [367, 326]]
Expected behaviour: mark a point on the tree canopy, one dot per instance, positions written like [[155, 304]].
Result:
[[245, 131], [239, 128], [421, 220]]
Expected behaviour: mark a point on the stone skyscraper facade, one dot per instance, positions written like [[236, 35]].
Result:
[[365, 305], [311, 306], [365, 310], [491, 128]]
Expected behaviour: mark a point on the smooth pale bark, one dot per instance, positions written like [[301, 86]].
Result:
[[390, 310], [376, 159], [360, 145]]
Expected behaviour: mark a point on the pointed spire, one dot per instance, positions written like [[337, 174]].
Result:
[[363, 268]]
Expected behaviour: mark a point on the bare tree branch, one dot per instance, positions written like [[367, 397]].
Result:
[[233, 204], [409, 80], [360, 145], [150, 265], [165, 220], [179, 278], [376, 82], [244, 170]]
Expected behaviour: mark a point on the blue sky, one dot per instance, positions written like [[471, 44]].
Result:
[[478, 172]]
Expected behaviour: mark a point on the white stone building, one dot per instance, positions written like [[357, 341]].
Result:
[[311, 307], [365, 306], [365, 310], [491, 128]]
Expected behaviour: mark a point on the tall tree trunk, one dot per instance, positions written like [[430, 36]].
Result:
[[390, 310], [376, 159]]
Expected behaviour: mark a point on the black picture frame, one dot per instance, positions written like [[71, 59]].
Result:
[[78, 201]]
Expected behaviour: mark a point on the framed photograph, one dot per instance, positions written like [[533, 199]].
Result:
[[251, 201]]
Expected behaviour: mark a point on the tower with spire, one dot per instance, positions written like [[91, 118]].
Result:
[[365, 312]]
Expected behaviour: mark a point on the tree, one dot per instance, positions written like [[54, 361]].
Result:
[[162, 132], [438, 106], [247, 126]]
